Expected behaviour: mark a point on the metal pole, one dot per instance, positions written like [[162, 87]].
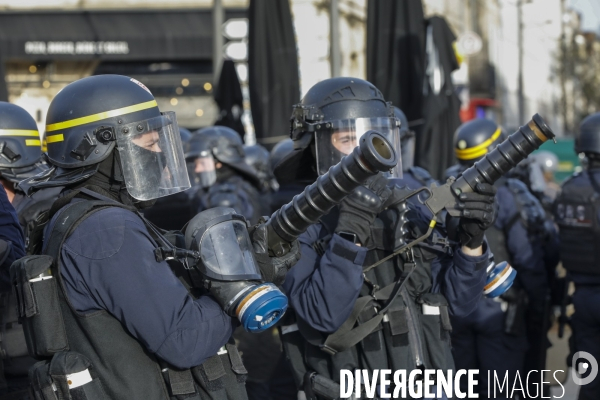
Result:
[[520, 95], [218, 15], [334, 39]]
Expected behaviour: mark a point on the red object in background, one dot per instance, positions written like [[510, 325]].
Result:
[[476, 108]]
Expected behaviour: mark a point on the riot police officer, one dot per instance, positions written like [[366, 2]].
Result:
[[220, 175], [577, 213], [21, 159], [338, 282], [492, 338], [129, 322]]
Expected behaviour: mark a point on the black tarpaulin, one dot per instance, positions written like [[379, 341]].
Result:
[[396, 53], [434, 150], [228, 95], [272, 68]]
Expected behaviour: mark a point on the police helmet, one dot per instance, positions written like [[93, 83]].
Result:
[[407, 140], [185, 135], [222, 131], [589, 136], [475, 138], [258, 158], [280, 151], [216, 144], [20, 146], [547, 161], [91, 117], [327, 123]]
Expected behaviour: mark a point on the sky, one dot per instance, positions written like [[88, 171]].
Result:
[[590, 13]]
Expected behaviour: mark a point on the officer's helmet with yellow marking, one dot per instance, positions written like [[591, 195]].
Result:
[[474, 139], [20, 146], [91, 117]]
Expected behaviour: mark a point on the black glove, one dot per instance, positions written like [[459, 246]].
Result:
[[478, 213], [273, 269], [359, 209]]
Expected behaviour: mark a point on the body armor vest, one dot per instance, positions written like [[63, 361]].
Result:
[[576, 212], [402, 337], [119, 365], [15, 358]]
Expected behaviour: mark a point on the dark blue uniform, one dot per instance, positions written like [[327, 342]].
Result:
[[479, 340], [12, 242], [586, 319], [322, 290], [109, 264]]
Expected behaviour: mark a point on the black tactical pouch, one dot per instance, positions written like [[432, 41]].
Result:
[[38, 306], [67, 376], [436, 329], [222, 376]]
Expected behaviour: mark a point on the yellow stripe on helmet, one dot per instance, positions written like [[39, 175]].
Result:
[[33, 142], [479, 150], [100, 116], [19, 132], [55, 138]]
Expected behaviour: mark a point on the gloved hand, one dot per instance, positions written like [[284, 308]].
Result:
[[273, 269], [479, 212], [359, 209]]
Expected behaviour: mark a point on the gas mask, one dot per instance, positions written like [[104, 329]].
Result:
[[225, 259]]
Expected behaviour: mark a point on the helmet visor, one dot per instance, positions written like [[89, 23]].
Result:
[[152, 158], [344, 135], [202, 170], [408, 152], [226, 251]]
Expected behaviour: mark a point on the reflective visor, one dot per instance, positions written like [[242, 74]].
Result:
[[226, 251], [152, 158], [344, 136]]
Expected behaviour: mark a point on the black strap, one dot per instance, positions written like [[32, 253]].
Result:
[[181, 382], [213, 367], [348, 335], [236, 360]]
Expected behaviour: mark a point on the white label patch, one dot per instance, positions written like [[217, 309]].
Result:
[[140, 84]]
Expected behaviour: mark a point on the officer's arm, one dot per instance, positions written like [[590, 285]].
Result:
[[460, 279], [323, 290], [112, 267], [12, 242]]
